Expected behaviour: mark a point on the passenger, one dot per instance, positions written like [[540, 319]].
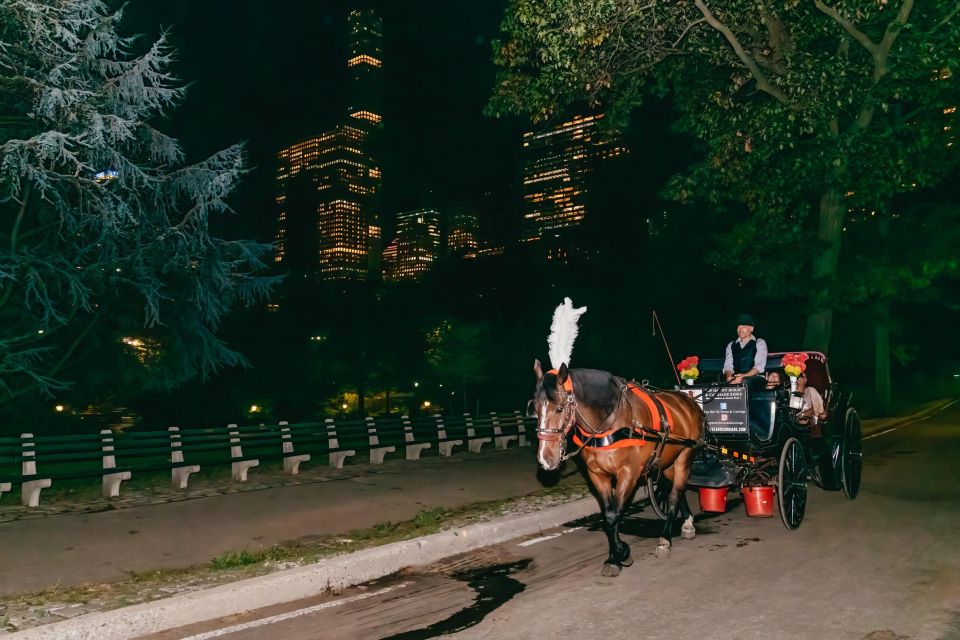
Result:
[[812, 400], [747, 355], [774, 381]]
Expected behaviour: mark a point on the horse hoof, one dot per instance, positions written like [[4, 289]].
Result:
[[610, 570], [663, 549], [688, 534]]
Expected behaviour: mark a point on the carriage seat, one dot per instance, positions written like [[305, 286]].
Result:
[[763, 412]]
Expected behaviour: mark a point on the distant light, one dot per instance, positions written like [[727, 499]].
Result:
[[343, 406], [416, 384], [104, 176], [58, 408], [453, 393], [255, 408], [956, 375], [40, 331], [426, 403], [441, 385]]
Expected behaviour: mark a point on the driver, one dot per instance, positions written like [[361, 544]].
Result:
[[747, 355]]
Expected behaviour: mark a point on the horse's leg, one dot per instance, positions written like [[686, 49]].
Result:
[[610, 510], [687, 530], [681, 472], [627, 478]]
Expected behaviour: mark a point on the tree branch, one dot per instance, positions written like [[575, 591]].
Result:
[[687, 30], [848, 26], [76, 342], [8, 286], [762, 82]]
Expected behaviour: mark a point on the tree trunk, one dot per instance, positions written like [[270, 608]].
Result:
[[881, 335], [826, 258], [361, 400], [881, 365]]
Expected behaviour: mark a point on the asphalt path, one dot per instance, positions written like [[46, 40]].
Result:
[[883, 567]]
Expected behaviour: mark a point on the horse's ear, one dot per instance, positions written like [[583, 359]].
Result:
[[537, 369], [563, 373]]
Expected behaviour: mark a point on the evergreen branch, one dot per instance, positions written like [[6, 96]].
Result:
[[762, 82]]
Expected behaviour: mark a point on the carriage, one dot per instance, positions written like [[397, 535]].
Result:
[[761, 443]]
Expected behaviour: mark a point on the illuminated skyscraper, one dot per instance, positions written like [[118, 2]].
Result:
[[557, 162], [462, 234], [329, 186], [417, 245]]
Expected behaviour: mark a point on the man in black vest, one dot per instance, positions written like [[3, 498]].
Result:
[[747, 355]]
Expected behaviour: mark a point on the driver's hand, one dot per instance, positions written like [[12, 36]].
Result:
[[737, 379]]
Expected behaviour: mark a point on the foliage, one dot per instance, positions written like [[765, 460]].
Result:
[[103, 226], [804, 109]]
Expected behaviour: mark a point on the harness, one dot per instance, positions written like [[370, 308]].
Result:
[[607, 435]]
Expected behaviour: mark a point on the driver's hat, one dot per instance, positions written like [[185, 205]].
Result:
[[745, 319]]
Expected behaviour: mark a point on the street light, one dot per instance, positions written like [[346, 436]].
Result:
[[58, 408], [416, 384], [344, 406], [255, 408], [426, 404]]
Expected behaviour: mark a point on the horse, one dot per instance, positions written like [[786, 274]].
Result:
[[624, 431]]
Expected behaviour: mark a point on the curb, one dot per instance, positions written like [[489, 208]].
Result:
[[878, 424], [302, 582]]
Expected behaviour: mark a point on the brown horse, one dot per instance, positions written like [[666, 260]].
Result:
[[623, 436]]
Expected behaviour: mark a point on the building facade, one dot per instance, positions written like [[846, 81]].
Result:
[[462, 232], [556, 164], [416, 247], [328, 187]]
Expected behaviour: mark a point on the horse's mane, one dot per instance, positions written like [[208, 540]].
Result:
[[594, 388]]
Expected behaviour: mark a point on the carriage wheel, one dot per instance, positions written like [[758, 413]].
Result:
[[851, 455], [658, 490], [792, 484]]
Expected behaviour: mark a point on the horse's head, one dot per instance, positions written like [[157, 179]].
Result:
[[555, 408]]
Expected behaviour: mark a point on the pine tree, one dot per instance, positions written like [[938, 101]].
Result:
[[104, 228]]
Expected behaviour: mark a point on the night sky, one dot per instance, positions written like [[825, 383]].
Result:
[[270, 72]]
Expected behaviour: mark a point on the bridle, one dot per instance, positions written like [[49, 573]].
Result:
[[572, 416]]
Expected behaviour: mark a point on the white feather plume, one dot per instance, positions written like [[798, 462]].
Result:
[[563, 331]]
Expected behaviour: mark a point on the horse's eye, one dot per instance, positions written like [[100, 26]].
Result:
[[559, 409]]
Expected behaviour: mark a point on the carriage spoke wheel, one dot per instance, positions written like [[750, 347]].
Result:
[[792, 484], [851, 455], [658, 491]]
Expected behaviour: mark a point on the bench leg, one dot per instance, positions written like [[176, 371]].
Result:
[[181, 475], [502, 442], [476, 444], [523, 440], [240, 468], [30, 491], [414, 450], [111, 483], [446, 448], [5, 487], [377, 454], [337, 458], [291, 464]]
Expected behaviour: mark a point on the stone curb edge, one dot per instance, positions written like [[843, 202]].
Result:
[[302, 582]]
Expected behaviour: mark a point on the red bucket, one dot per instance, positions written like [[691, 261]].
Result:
[[713, 500], [758, 501]]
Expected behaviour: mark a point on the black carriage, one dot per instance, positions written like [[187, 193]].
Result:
[[759, 439]]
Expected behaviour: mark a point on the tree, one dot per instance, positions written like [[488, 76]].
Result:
[[805, 110], [103, 226], [459, 353]]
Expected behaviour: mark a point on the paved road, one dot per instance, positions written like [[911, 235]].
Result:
[[884, 567]]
